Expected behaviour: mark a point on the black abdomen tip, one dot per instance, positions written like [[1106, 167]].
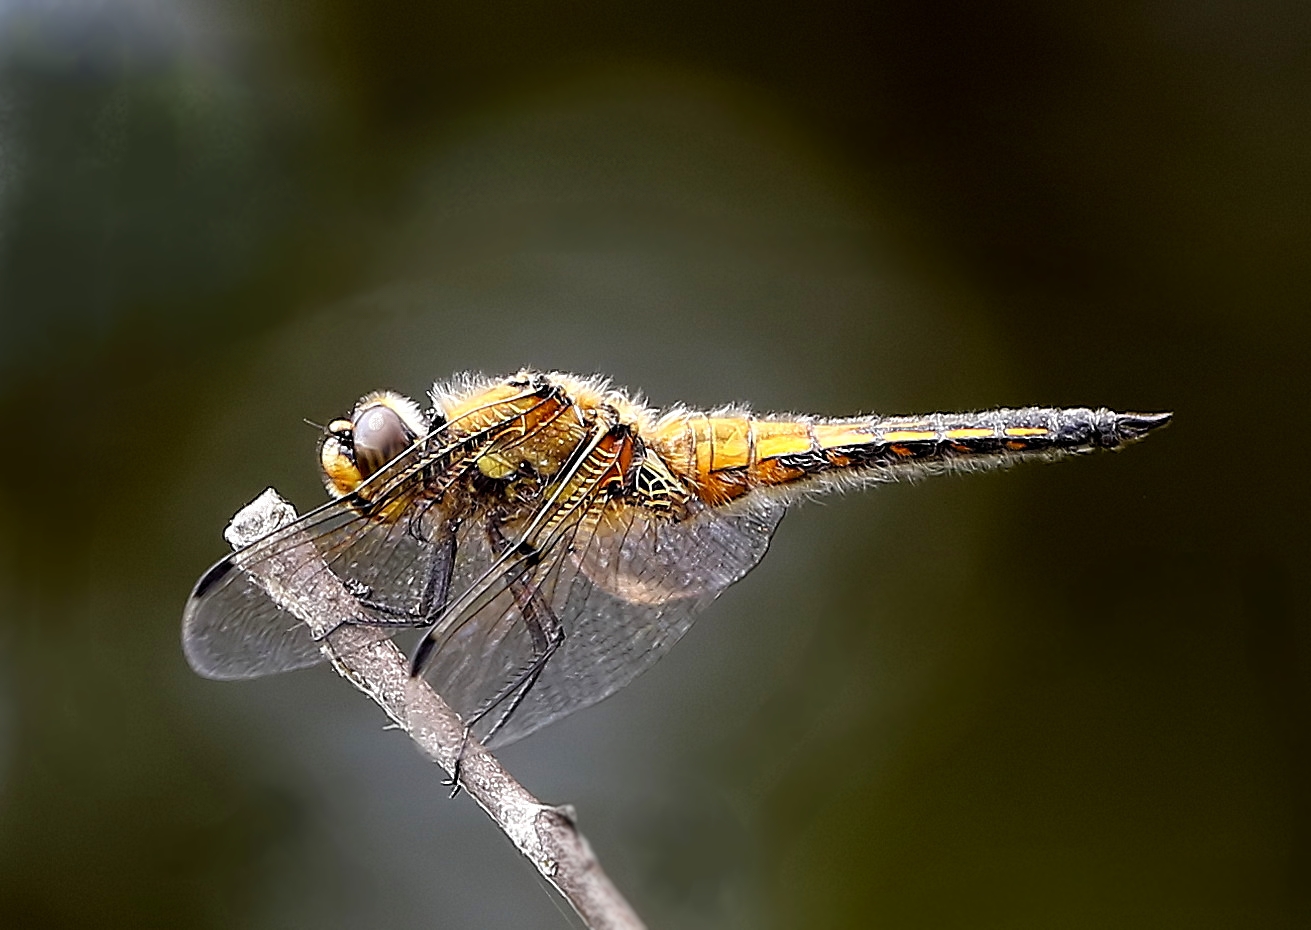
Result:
[[1131, 426], [1119, 428]]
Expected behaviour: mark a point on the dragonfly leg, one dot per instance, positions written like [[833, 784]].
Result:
[[547, 635], [436, 589]]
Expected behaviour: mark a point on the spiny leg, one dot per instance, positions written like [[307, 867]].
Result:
[[546, 633], [437, 586], [565, 499], [436, 590]]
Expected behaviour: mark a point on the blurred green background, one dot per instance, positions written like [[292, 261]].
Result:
[[1067, 696]]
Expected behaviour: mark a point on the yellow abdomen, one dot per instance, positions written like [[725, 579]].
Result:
[[722, 457]]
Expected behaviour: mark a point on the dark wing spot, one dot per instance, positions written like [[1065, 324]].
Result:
[[212, 577]]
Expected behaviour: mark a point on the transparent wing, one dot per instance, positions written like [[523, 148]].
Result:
[[625, 587], [232, 628]]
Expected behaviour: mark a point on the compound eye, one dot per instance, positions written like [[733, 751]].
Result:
[[380, 436]]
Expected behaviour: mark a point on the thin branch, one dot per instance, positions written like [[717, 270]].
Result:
[[546, 835]]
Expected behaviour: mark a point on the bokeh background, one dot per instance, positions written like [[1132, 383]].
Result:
[[1067, 696]]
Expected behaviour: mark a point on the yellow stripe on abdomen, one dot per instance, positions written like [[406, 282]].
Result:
[[724, 457]]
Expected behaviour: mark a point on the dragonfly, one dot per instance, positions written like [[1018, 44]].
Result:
[[548, 536]]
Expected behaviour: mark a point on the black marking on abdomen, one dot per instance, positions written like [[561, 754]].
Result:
[[1011, 433]]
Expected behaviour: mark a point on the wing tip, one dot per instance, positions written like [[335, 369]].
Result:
[[216, 573], [421, 654], [193, 642]]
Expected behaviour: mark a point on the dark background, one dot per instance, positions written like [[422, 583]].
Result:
[[1067, 696]]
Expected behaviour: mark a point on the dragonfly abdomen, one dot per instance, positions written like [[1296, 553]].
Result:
[[724, 457]]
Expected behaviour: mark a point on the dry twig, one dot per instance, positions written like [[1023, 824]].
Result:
[[545, 834]]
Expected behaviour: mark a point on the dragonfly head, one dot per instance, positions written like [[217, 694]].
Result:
[[383, 425]]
